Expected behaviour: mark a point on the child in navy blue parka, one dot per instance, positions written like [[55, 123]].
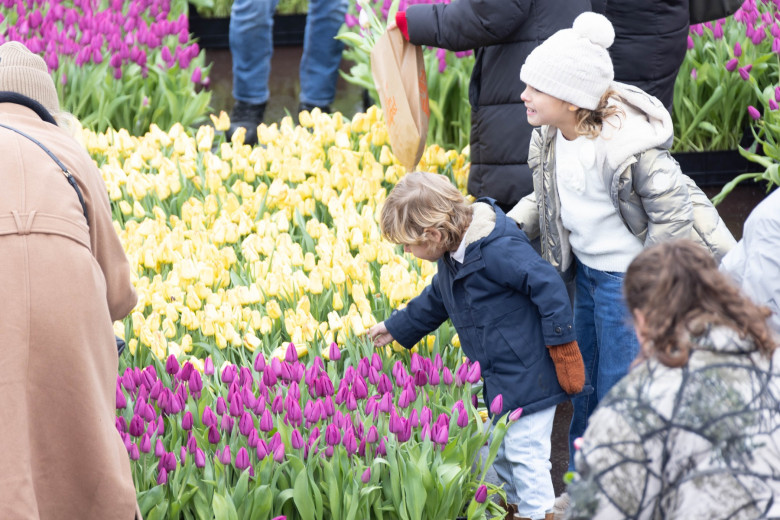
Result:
[[510, 309]]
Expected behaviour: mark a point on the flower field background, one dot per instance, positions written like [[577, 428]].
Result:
[[249, 389]]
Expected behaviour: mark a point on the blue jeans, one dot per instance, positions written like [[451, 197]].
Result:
[[251, 47], [606, 337], [523, 462]]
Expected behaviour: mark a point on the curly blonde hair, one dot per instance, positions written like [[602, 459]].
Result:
[[679, 290], [589, 122], [423, 200]]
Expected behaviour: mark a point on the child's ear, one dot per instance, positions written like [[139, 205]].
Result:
[[433, 234]]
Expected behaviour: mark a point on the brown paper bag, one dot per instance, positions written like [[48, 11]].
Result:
[[399, 76]]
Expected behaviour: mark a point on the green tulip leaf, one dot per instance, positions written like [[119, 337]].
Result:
[[302, 496], [223, 508]]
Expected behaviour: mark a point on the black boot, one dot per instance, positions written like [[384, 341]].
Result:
[[247, 116], [309, 107]]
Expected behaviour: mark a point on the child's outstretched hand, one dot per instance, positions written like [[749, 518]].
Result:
[[379, 335]]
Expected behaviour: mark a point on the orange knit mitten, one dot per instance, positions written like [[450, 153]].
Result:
[[568, 366]]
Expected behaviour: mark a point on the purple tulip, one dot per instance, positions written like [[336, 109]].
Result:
[[200, 458], [172, 365], [259, 363], [221, 406], [266, 421], [209, 418], [145, 444], [731, 65], [752, 111], [186, 371], [279, 453], [227, 423], [474, 374], [121, 401], [481, 495], [691, 45], [744, 72], [134, 455], [334, 352], [425, 415], [246, 425], [446, 376], [350, 443], [229, 374], [121, 424], [463, 418], [381, 449], [262, 449], [366, 476], [159, 449], [372, 436], [242, 459], [515, 414], [195, 383], [772, 104], [136, 426], [737, 50], [186, 420], [296, 439], [291, 354], [208, 366], [224, 455], [162, 476], [192, 443], [332, 435], [214, 435], [497, 405], [236, 405]]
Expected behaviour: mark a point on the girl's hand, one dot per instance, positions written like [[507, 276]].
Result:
[[378, 333]]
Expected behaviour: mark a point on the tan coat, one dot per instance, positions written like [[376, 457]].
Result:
[[61, 285]]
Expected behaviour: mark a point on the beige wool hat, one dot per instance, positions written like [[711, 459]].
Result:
[[26, 73], [573, 64]]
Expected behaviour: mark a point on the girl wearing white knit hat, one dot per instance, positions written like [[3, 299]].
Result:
[[605, 187]]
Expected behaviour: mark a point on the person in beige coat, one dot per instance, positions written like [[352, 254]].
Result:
[[64, 278]]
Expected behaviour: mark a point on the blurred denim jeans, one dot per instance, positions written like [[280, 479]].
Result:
[[606, 337], [251, 47]]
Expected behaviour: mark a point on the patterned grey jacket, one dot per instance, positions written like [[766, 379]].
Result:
[[700, 441], [655, 200]]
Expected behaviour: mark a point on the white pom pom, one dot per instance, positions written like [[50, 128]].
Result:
[[596, 28]]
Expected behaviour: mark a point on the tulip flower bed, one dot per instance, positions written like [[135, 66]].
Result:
[[322, 440], [117, 64], [730, 66], [267, 263]]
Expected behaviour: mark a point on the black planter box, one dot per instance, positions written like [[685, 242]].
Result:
[[213, 33], [713, 168]]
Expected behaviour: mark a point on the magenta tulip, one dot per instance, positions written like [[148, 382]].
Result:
[[186, 420], [334, 353], [172, 365], [497, 405], [242, 459], [279, 453], [515, 414], [481, 495], [366, 476], [753, 112], [224, 455], [200, 458], [208, 366]]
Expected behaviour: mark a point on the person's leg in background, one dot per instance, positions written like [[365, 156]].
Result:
[[523, 462], [618, 344], [587, 338], [319, 70], [251, 47]]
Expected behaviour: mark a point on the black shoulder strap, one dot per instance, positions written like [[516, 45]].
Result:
[[68, 175]]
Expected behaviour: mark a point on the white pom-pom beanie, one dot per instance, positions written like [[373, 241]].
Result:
[[573, 64]]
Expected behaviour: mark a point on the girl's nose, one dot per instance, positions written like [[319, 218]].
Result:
[[524, 95]]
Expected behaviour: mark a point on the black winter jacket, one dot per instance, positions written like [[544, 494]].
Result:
[[507, 304], [650, 43], [502, 33]]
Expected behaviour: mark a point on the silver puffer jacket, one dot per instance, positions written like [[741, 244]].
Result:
[[655, 200]]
